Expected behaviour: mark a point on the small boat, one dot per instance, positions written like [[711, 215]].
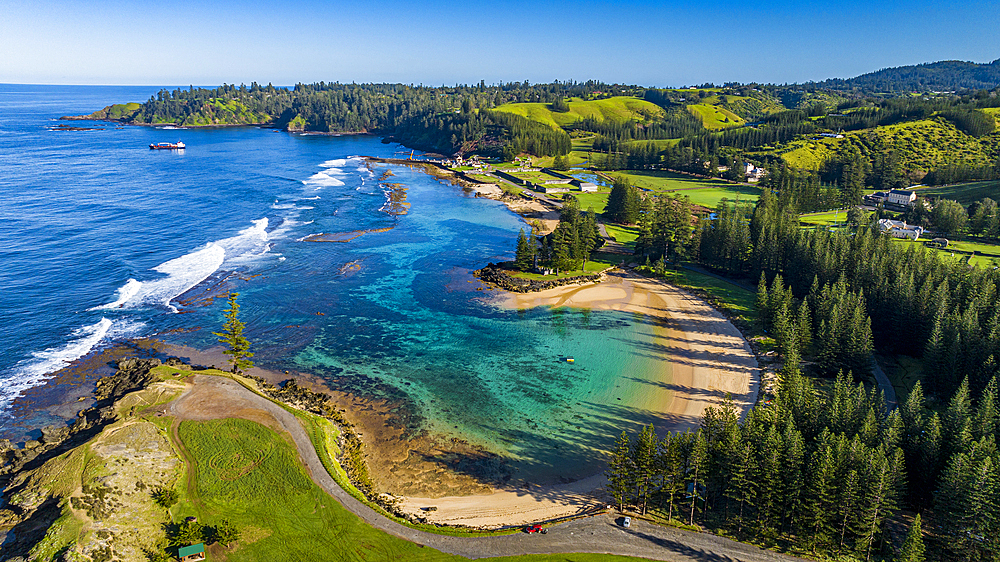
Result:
[[167, 146], [567, 359]]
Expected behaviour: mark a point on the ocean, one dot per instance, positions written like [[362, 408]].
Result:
[[355, 273]]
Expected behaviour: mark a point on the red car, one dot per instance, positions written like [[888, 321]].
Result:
[[535, 529]]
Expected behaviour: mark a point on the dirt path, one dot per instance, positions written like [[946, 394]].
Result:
[[216, 397]]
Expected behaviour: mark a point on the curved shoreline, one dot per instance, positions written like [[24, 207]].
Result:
[[708, 360]]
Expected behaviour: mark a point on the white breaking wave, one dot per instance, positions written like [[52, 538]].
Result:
[[287, 224], [290, 206], [338, 163], [189, 270], [323, 179], [34, 371]]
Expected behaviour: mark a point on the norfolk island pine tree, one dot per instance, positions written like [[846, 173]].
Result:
[[232, 336]]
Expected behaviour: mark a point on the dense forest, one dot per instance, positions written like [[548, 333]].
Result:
[[943, 76], [829, 470]]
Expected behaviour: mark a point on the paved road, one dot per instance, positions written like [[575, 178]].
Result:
[[598, 534], [610, 244], [885, 385]]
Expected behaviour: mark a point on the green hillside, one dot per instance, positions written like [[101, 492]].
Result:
[[715, 117], [621, 109], [922, 145]]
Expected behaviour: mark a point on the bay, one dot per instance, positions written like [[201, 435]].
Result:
[[105, 240]]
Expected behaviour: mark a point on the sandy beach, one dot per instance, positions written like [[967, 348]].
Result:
[[705, 358]]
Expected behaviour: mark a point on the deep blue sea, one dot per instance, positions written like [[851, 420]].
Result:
[[104, 240]]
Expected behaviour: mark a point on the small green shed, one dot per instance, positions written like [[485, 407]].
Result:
[[191, 553]]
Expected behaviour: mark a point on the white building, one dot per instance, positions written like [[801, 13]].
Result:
[[752, 172], [899, 229], [903, 198]]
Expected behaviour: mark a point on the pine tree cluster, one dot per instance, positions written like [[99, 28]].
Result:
[[822, 474]]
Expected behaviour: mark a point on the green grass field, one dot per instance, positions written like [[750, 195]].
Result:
[[597, 200], [965, 193], [700, 191], [826, 218], [619, 108], [954, 248], [714, 117], [248, 474], [251, 476], [625, 235]]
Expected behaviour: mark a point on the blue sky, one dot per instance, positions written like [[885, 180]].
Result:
[[178, 42]]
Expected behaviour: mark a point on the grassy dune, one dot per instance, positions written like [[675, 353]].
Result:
[[619, 108]]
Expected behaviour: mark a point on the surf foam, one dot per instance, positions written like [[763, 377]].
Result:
[[189, 270], [36, 370]]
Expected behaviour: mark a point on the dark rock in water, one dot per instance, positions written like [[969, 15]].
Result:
[[132, 374], [495, 275]]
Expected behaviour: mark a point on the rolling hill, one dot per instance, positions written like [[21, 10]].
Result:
[[939, 76], [619, 108]]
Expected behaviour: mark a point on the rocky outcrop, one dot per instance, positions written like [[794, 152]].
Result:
[[495, 275], [132, 374]]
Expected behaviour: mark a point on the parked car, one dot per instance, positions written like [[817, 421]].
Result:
[[627, 522], [535, 529]]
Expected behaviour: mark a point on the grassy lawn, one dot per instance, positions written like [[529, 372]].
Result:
[[599, 262], [534, 177], [950, 252], [250, 475], [484, 179], [965, 193], [625, 235], [700, 191], [598, 200], [826, 218]]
